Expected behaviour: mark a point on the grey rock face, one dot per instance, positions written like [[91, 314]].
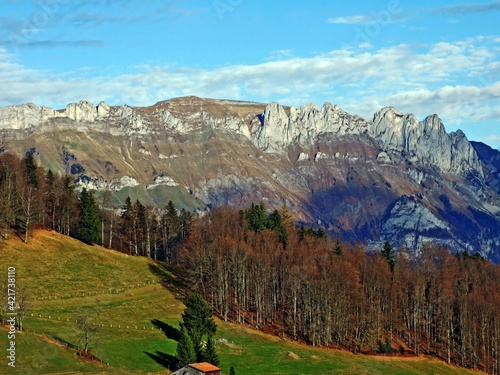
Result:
[[25, 117], [425, 142], [82, 111], [410, 223], [303, 125], [98, 183]]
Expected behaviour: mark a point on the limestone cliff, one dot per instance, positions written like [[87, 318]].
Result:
[[392, 178], [425, 142]]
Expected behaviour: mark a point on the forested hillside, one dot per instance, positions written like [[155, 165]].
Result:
[[31, 197], [300, 284], [257, 268]]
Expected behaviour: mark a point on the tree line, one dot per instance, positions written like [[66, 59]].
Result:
[[260, 270], [31, 197]]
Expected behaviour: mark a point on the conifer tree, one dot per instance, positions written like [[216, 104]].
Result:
[[210, 353], [337, 248], [129, 224], [198, 322], [170, 229], [31, 169], [389, 255], [89, 227], [256, 217], [9, 182], [185, 349], [232, 371], [276, 223]]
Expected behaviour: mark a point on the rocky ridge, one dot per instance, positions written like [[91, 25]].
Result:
[[276, 129], [377, 180]]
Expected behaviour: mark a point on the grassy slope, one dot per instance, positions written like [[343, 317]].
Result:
[[121, 293]]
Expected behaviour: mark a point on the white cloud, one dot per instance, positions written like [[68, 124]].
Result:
[[455, 80], [468, 8], [493, 137], [357, 20], [456, 104]]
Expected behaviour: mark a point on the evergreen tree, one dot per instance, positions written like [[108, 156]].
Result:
[[337, 248], [198, 322], [389, 255], [320, 233], [185, 349], [302, 232], [256, 217], [276, 223], [170, 229], [232, 371], [89, 227], [210, 353], [31, 169]]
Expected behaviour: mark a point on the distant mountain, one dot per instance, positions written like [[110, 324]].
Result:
[[391, 178]]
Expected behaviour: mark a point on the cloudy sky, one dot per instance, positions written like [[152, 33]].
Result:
[[421, 57]]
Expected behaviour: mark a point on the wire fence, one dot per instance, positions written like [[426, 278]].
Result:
[[107, 291], [114, 326]]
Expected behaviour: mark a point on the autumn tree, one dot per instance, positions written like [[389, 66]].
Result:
[[129, 226], [29, 209], [109, 218], [87, 332], [68, 213], [9, 182], [24, 305]]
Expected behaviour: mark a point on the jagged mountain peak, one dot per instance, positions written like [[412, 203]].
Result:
[[327, 165], [284, 127], [273, 128], [425, 141]]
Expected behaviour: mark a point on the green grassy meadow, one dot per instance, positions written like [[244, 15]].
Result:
[[134, 303]]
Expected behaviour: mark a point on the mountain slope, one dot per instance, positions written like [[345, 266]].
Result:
[[391, 178], [119, 293]]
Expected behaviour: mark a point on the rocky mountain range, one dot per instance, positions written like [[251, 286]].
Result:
[[392, 178]]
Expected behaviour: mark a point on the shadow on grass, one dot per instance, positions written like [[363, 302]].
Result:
[[169, 331], [61, 341], [164, 359], [171, 278]]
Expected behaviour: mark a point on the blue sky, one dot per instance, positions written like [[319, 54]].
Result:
[[421, 57]]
